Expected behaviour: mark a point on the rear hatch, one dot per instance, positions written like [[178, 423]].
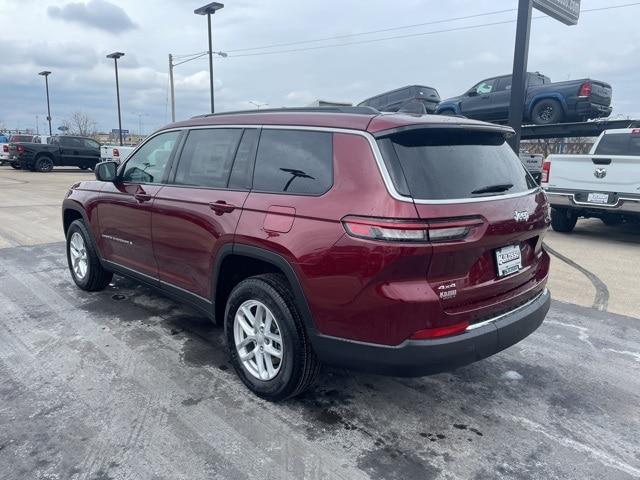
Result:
[[472, 178]]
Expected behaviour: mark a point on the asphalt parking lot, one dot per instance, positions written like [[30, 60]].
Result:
[[126, 384]]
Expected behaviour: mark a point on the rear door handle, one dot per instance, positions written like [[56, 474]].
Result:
[[142, 197], [221, 207]]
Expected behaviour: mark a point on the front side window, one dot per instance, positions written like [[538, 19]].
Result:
[[207, 157], [147, 164], [294, 161], [484, 87]]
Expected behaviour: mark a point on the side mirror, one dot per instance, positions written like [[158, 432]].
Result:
[[106, 171], [473, 93]]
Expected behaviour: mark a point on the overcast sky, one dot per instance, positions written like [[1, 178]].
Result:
[[71, 38]]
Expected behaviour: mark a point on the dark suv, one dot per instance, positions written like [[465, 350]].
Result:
[[397, 244]]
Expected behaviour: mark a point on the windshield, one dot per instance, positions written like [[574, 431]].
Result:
[[619, 144], [437, 164]]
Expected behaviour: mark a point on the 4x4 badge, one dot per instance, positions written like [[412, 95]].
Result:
[[522, 216]]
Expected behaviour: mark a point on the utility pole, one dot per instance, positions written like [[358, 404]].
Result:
[[173, 97], [519, 75], [46, 74], [116, 56]]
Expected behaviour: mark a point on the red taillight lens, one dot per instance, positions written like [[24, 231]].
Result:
[[393, 230], [546, 171], [585, 89], [438, 332], [635, 131], [5, 148], [20, 149], [386, 229], [116, 152]]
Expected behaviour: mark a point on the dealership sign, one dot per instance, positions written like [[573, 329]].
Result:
[[566, 11]]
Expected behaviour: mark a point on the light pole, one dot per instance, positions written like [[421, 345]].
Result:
[[116, 56], [46, 74], [182, 60], [258, 105], [209, 10]]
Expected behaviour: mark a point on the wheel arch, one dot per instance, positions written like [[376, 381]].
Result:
[[547, 96], [240, 261]]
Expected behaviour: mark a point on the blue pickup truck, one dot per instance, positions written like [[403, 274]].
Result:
[[546, 102]]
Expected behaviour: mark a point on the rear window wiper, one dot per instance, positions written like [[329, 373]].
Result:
[[497, 188]]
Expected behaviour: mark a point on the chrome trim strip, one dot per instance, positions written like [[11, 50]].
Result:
[[570, 199], [495, 319]]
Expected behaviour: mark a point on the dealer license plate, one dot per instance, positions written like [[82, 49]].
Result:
[[509, 260], [598, 198]]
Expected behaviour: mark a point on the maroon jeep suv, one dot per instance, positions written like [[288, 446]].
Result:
[[392, 243]]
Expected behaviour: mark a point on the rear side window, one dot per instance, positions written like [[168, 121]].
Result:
[[294, 161], [440, 164], [207, 157], [619, 144]]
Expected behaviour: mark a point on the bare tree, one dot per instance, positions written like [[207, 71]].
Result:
[[80, 124]]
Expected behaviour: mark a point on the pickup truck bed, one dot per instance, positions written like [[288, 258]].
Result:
[[603, 184]]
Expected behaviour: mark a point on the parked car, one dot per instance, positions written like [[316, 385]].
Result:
[[545, 102], [410, 99], [6, 155], [604, 184], [4, 149], [397, 244], [116, 153], [62, 151]]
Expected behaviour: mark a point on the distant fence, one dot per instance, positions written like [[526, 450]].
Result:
[[577, 146]]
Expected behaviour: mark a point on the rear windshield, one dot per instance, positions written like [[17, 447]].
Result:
[[619, 144], [21, 138], [437, 164]]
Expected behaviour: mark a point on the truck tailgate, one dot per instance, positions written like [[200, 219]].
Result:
[[597, 173]]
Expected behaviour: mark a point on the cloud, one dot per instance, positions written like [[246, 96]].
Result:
[[95, 13]]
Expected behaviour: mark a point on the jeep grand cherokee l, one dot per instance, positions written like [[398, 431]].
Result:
[[397, 244]]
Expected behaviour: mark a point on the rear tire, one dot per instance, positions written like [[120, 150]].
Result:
[[563, 219], [44, 164], [547, 111], [297, 367], [85, 267]]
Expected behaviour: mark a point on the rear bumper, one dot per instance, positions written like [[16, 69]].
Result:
[[623, 204], [587, 109], [422, 357]]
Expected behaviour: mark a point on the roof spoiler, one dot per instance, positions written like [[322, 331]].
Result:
[[352, 110]]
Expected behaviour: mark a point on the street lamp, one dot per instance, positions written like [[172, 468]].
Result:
[[258, 105], [46, 74], [116, 56], [209, 10], [184, 59]]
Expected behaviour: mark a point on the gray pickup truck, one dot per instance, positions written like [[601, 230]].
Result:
[[546, 102]]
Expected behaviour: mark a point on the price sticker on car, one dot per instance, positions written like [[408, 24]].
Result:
[[509, 260]]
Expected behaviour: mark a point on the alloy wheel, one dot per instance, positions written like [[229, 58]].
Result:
[[78, 255]]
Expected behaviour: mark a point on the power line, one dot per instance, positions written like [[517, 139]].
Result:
[[410, 35], [371, 32]]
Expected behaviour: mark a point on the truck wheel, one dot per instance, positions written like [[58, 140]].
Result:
[[267, 341], [563, 219], [15, 165], [612, 220], [547, 111], [84, 264], [44, 164]]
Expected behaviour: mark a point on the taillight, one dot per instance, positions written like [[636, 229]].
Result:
[[116, 152], [635, 131], [5, 148], [20, 149], [585, 89], [392, 230], [546, 171], [438, 332]]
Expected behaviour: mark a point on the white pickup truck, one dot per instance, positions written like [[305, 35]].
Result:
[[604, 184], [114, 153]]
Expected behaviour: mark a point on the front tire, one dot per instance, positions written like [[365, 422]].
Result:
[[547, 111], [563, 219], [85, 267], [268, 344]]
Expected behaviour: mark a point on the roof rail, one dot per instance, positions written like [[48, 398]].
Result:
[[336, 109]]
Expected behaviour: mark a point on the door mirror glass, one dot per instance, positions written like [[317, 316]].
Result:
[[106, 171], [472, 93]]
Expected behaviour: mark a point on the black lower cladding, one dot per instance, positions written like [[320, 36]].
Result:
[[414, 358]]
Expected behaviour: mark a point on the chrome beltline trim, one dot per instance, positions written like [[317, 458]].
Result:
[[495, 319]]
